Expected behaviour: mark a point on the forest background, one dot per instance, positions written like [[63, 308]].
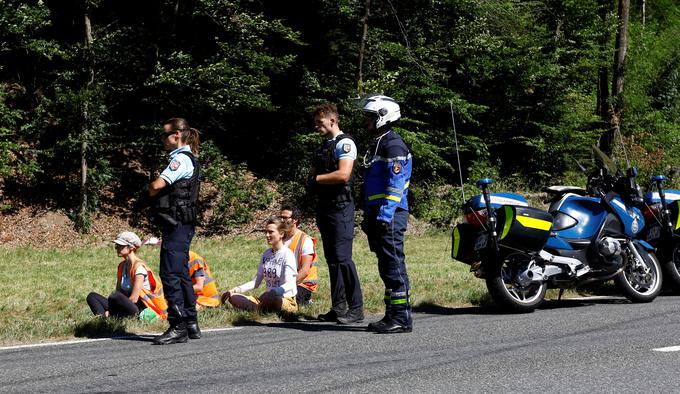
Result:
[[531, 85]]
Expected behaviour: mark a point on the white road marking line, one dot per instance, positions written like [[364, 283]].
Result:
[[667, 349], [76, 341]]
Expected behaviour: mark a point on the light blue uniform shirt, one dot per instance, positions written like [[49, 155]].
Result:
[[180, 166], [345, 148]]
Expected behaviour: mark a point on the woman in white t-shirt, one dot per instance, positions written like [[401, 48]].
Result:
[[278, 269]]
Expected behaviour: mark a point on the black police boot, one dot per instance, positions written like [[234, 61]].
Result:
[[355, 315], [177, 333], [193, 330], [392, 327], [400, 311]]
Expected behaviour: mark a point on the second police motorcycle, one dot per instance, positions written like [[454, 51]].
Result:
[[586, 236]]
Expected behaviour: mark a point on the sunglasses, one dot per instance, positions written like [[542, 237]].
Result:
[[165, 134]]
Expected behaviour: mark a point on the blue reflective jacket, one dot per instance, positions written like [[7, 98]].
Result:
[[387, 176]]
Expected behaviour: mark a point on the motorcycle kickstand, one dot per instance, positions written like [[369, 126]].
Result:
[[559, 296]]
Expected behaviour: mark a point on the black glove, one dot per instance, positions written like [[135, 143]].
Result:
[[365, 226], [143, 200], [310, 186], [384, 226]]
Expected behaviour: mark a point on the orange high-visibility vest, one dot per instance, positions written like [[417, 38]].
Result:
[[209, 291], [310, 281], [153, 298]]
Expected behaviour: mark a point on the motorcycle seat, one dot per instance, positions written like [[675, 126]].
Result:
[[559, 189]]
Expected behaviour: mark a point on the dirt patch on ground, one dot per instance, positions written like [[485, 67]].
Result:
[[43, 228]]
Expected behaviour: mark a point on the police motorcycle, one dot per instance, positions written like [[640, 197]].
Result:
[[662, 214], [586, 236]]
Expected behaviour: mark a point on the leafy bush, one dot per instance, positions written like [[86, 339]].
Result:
[[238, 193]]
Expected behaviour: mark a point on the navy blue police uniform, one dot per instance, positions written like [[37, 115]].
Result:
[[387, 176], [335, 219], [176, 213]]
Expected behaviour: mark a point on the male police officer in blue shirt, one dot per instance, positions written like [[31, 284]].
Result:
[[388, 166], [332, 183]]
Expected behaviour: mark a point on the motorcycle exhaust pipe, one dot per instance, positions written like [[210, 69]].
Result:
[[599, 278], [529, 276]]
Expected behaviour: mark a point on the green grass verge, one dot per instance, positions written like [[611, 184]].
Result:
[[45, 290]]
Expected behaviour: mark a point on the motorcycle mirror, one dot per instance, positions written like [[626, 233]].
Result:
[[581, 167], [658, 178], [484, 182]]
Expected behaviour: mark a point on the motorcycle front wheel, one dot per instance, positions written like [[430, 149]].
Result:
[[671, 267], [506, 290], [640, 282]]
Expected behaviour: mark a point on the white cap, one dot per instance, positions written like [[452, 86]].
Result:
[[128, 238]]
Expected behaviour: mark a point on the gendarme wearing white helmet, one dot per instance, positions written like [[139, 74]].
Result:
[[385, 108]]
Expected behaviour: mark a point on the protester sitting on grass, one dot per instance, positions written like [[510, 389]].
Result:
[[304, 248], [202, 279], [137, 289], [278, 269]]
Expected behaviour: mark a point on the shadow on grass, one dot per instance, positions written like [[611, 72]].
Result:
[[108, 328]]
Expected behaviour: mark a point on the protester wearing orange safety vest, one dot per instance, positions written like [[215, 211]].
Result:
[[304, 248], [204, 284], [202, 279], [138, 292]]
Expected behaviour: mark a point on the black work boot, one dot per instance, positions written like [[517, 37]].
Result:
[[355, 315], [335, 312], [193, 329], [177, 333]]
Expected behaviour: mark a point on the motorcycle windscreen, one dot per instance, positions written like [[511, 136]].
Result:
[[466, 241], [523, 228], [674, 208]]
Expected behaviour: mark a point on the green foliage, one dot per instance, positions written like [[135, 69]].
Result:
[[521, 79], [238, 195]]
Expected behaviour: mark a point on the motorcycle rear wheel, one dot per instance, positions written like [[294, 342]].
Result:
[[508, 293], [671, 268], [641, 284]]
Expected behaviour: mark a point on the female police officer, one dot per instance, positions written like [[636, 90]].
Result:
[[386, 180], [175, 211]]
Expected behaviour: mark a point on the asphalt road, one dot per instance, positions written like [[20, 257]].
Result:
[[589, 346]]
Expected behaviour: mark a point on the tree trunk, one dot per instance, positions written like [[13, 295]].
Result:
[[644, 12], [618, 79], [362, 47], [82, 221], [603, 73]]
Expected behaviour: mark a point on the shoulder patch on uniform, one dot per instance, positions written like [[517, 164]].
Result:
[[396, 168], [346, 148], [174, 165]]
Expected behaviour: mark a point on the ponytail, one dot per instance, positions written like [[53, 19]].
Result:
[[192, 139]]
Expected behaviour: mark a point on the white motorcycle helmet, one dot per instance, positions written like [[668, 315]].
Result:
[[385, 108]]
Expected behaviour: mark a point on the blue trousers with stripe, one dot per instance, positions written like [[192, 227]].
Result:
[[388, 245]]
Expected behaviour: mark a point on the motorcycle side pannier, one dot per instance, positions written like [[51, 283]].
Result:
[[465, 243], [523, 228]]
